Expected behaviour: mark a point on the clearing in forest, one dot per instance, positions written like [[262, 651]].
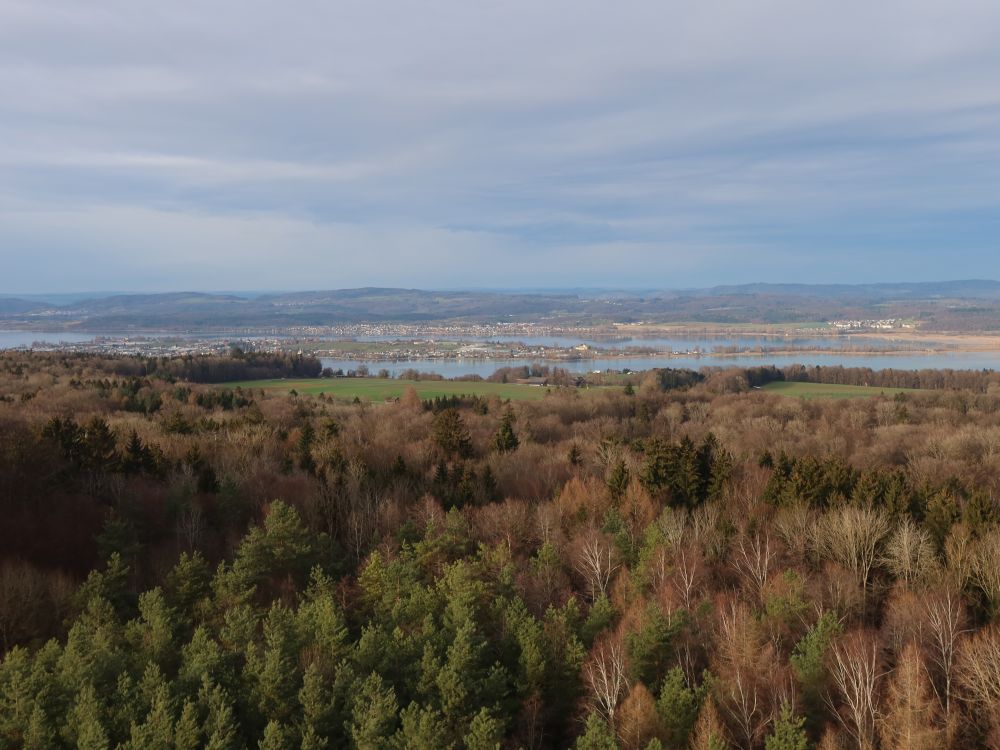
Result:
[[380, 389]]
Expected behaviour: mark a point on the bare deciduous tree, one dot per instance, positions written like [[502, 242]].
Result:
[[979, 672], [855, 670], [959, 554], [190, 525], [986, 568], [743, 702], [688, 575], [853, 537], [361, 522], [607, 677], [752, 559], [909, 553], [946, 620], [795, 526], [595, 562]]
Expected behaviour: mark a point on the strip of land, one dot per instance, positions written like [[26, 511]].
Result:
[[827, 390]]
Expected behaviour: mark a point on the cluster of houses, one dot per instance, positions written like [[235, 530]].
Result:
[[885, 324]]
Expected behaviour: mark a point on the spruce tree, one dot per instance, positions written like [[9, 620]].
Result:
[[618, 480], [505, 441], [451, 435]]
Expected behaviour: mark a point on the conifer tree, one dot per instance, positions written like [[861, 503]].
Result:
[[485, 732], [220, 727], [451, 435], [275, 737], [373, 718], [85, 725], [597, 735], [40, 733], [618, 480], [505, 440], [788, 733], [678, 706], [187, 733], [316, 701], [422, 729]]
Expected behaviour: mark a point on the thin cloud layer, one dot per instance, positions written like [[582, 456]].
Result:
[[250, 145]]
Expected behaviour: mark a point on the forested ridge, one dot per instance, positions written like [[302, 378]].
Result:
[[686, 562]]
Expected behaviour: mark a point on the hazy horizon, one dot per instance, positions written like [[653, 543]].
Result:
[[97, 294]]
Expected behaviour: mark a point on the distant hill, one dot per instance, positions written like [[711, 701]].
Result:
[[17, 306], [971, 305], [969, 289]]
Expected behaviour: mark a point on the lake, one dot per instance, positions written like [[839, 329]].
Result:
[[451, 368]]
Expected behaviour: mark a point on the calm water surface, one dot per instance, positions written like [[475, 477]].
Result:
[[451, 368]]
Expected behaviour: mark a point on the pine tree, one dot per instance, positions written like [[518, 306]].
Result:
[[808, 662], [485, 732], [373, 718], [157, 731], [188, 583], [85, 725], [220, 728], [422, 729], [187, 733], [601, 615], [152, 635], [789, 731], [597, 735], [275, 669], [317, 704], [275, 737], [650, 645], [311, 740], [40, 734], [678, 706]]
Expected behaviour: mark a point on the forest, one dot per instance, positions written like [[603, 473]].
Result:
[[683, 562]]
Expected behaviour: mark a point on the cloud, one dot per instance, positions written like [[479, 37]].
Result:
[[664, 139]]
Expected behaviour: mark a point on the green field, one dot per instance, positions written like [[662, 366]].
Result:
[[379, 389], [825, 390]]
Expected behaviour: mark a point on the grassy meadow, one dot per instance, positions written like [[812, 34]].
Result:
[[380, 389]]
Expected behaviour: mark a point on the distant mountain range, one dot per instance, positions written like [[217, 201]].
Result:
[[968, 289], [949, 305]]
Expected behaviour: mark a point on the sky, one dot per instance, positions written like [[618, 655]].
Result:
[[209, 145]]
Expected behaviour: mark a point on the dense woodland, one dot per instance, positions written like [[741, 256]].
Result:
[[682, 562]]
